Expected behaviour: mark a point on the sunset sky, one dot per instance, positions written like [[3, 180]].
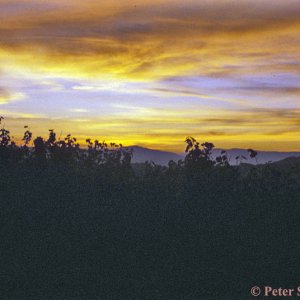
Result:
[[152, 72]]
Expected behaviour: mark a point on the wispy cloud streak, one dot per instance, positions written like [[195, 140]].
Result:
[[151, 72]]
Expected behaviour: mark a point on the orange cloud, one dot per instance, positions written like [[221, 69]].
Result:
[[151, 41]]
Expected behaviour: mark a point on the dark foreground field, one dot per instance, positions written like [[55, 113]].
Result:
[[74, 226]]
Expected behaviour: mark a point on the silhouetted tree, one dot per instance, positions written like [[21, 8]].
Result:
[[86, 223]]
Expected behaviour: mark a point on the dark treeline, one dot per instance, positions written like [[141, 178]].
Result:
[[88, 224]]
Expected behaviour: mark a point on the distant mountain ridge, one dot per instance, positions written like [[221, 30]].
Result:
[[262, 156], [141, 154]]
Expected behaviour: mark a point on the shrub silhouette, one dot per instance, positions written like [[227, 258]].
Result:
[[89, 224]]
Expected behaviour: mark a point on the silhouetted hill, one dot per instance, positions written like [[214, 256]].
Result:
[[287, 163]]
